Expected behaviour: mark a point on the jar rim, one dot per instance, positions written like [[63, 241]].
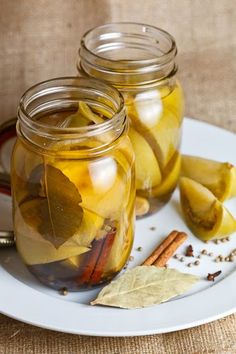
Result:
[[128, 54], [172, 50], [34, 92]]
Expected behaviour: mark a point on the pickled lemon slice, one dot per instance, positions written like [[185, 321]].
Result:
[[125, 159], [167, 135], [101, 185], [174, 101], [120, 249], [90, 225], [148, 106], [204, 214], [147, 169], [82, 117], [42, 251], [170, 180], [160, 127], [34, 249], [219, 177], [88, 113]]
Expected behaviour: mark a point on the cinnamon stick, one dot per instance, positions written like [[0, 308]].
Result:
[[89, 261], [170, 250], [102, 259], [94, 261], [158, 251]]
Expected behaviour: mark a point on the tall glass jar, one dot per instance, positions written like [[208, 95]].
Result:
[[73, 183], [139, 60]]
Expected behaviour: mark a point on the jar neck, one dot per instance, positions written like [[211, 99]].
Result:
[[64, 94], [128, 54]]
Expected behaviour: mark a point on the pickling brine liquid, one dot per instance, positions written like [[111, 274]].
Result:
[[74, 213], [155, 132]]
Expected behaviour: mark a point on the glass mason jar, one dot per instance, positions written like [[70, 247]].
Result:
[[73, 183], [139, 60]]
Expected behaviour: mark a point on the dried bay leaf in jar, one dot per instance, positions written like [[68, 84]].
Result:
[[139, 60], [73, 183]]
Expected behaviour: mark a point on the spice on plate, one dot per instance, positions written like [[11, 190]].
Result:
[[189, 251], [63, 291], [212, 276], [217, 241]]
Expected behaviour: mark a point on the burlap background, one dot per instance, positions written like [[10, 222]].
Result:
[[39, 40]]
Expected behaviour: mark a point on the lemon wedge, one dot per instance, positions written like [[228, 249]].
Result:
[[218, 177], [205, 215]]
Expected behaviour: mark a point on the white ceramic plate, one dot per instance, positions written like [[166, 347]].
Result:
[[24, 298]]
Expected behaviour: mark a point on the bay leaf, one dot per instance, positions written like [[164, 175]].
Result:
[[144, 286], [62, 214], [32, 246]]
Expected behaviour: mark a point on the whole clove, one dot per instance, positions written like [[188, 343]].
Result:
[[212, 276], [189, 251]]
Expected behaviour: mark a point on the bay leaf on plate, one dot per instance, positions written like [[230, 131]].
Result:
[[144, 286], [62, 213]]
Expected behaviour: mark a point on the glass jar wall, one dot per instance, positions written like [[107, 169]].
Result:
[[73, 183], [139, 60]]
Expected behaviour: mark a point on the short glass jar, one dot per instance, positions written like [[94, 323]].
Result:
[[139, 60], [73, 183]]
